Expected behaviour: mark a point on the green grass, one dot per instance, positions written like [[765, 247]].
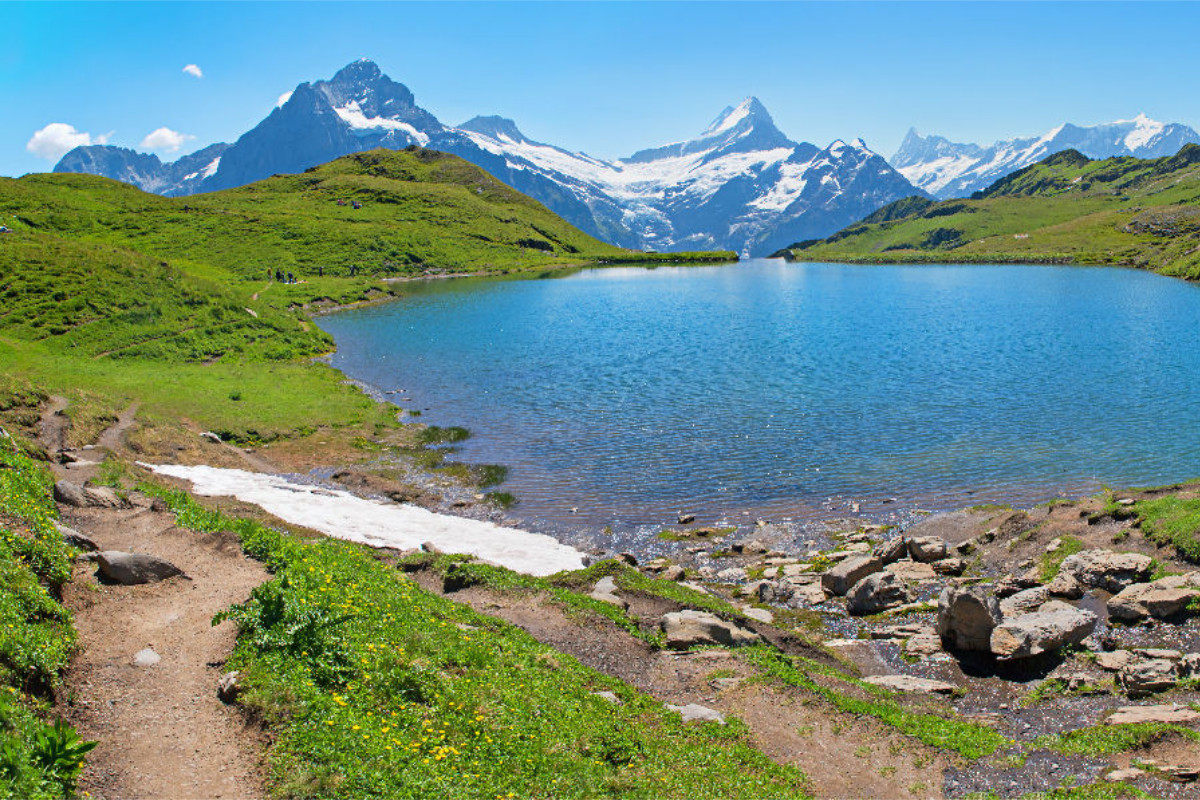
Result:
[[1050, 563], [1064, 209], [38, 758], [1104, 740], [371, 686], [1172, 520]]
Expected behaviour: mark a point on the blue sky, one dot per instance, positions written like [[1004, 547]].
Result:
[[605, 78]]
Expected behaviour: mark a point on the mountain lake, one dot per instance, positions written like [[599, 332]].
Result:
[[623, 396]]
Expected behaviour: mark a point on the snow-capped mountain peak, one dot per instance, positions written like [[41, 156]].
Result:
[[947, 169], [496, 127], [749, 111]]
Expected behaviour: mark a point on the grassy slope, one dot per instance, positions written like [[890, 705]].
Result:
[[1065, 209], [121, 296]]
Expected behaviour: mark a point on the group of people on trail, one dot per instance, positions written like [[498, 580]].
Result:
[[282, 277]]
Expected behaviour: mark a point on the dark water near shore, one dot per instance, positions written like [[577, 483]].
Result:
[[796, 390]]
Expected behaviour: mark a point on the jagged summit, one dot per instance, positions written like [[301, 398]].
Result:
[[748, 113], [494, 126], [362, 71]]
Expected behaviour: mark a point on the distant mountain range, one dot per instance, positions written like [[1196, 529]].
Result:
[[946, 169], [740, 185]]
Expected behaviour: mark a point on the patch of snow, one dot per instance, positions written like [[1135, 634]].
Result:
[[345, 516], [1144, 130], [352, 114], [283, 98], [211, 169], [729, 119]]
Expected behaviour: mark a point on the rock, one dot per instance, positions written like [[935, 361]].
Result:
[[1159, 652], [839, 578], [1114, 661], [927, 548], [1146, 677], [698, 713], [908, 683], [1121, 775], [103, 497], [726, 684], [1055, 625], [949, 566], [1112, 572], [212, 437], [966, 618], [70, 494], [609, 696], [129, 569], [1189, 666], [1141, 600], [732, 575], [656, 565], [1064, 585], [74, 538], [690, 628], [1177, 773], [1190, 580], [1024, 601], [686, 519], [911, 571], [858, 547], [1165, 714], [146, 657], [159, 505], [759, 614], [673, 573], [966, 548], [923, 644], [751, 548], [891, 550], [605, 591], [770, 591], [229, 686], [876, 593], [627, 558]]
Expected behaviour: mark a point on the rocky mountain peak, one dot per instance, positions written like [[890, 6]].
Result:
[[494, 126]]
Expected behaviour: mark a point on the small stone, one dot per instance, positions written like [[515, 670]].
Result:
[[1114, 661], [605, 591], [759, 614], [752, 547], [687, 519], [1166, 714], [131, 569], [673, 573], [1064, 585], [229, 687], [609, 696], [911, 571], [1147, 677], [891, 550], [923, 644], [927, 548], [146, 657], [949, 566], [628, 558], [70, 494], [876, 593], [74, 538], [909, 683], [693, 712], [726, 684], [1177, 773], [690, 628], [1120, 775]]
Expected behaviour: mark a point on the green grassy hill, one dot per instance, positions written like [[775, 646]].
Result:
[[180, 292], [1064, 209]]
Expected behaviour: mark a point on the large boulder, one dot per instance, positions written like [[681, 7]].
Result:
[[104, 497], [839, 578], [1103, 569], [130, 569], [694, 712], [691, 628], [876, 593], [1024, 601], [1141, 678], [1051, 627], [891, 550], [70, 494], [927, 549], [1140, 600], [966, 618]]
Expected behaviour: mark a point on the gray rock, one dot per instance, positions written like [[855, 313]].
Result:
[[691, 628], [229, 686], [908, 683], [839, 578], [1189, 665], [1055, 625], [923, 644], [949, 566], [1141, 600], [771, 591], [1165, 714], [130, 569], [609, 696], [146, 657], [927, 549], [1159, 652], [876, 593], [1123, 775], [966, 618], [1064, 585], [698, 713], [673, 573], [759, 614], [74, 538], [753, 547], [891, 550], [605, 591], [103, 497], [1024, 601], [1141, 678], [686, 519], [911, 571], [731, 575], [1115, 660], [1112, 572], [70, 494]]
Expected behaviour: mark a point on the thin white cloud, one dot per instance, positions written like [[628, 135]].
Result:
[[56, 139], [283, 98], [194, 71], [165, 139]]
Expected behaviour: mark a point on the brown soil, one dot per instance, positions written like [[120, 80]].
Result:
[[843, 755], [162, 731]]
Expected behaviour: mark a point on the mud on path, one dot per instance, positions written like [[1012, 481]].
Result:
[[163, 732], [843, 755]]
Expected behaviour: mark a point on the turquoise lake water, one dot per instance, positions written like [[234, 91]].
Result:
[[796, 390]]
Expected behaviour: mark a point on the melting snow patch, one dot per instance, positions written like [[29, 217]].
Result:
[[345, 516]]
